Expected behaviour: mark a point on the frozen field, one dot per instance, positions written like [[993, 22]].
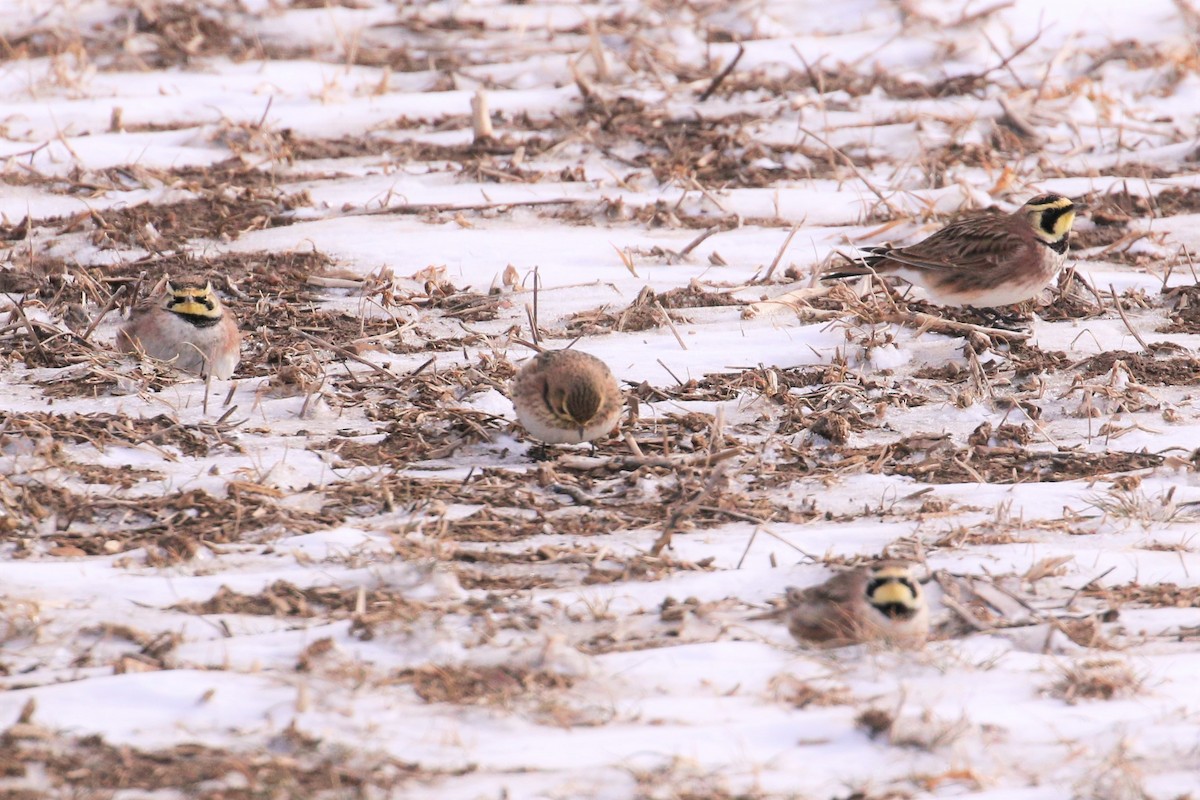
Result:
[[342, 573]]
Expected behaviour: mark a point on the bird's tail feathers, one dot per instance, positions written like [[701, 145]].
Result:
[[858, 264]]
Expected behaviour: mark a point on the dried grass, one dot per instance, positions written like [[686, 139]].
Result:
[[1096, 679]]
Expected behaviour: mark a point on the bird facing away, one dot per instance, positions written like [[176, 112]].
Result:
[[566, 397], [982, 260], [882, 602], [187, 326]]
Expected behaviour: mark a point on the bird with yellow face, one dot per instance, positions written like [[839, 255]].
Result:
[[982, 260], [187, 326], [882, 602]]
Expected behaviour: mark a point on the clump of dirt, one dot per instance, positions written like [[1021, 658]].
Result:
[[89, 765], [418, 434], [173, 527], [1104, 234], [284, 599], [1183, 312], [643, 313], [1096, 679], [696, 296], [1145, 369], [1029, 359], [469, 685], [183, 31], [715, 152], [102, 429], [935, 460], [1121, 206], [1071, 304], [162, 227], [1154, 595]]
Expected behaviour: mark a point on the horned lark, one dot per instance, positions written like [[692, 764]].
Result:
[[566, 397], [982, 260], [187, 326], [881, 602]]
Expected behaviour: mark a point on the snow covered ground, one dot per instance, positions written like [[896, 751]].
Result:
[[344, 573]]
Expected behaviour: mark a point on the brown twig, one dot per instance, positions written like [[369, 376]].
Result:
[[29, 326], [670, 324], [112, 302], [723, 74], [853, 167], [442, 208], [635, 462], [694, 242], [779, 255], [342, 351], [1121, 310], [534, 346], [676, 518], [669, 372]]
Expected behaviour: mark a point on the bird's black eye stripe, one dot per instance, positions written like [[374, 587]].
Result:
[[183, 298], [1051, 216]]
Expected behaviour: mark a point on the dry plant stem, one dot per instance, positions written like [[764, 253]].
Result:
[[228, 413], [533, 331], [929, 322], [481, 121], [112, 302], [779, 256], [964, 613], [709, 196], [1073, 275], [670, 324], [635, 462], [537, 289], [1087, 586], [746, 551], [428, 362], [1121, 310], [29, 326], [967, 19], [537, 348], [669, 372], [333, 283], [760, 527], [723, 74], [443, 208], [715, 472], [343, 352], [1188, 254], [574, 492], [853, 167], [694, 242]]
